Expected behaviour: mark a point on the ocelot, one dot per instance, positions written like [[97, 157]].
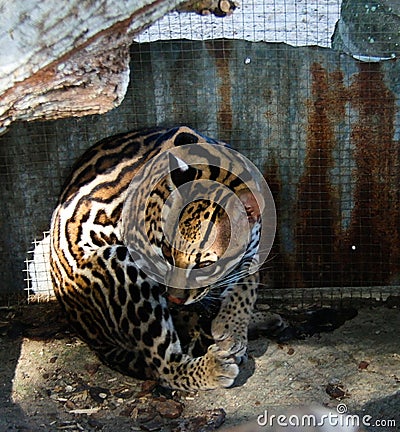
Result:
[[184, 338]]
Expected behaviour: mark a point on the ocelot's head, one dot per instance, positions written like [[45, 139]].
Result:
[[206, 228]]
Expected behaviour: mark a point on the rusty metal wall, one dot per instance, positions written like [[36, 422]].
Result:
[[324, 128]]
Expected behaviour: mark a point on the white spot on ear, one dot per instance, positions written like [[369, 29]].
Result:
[[183, 166]]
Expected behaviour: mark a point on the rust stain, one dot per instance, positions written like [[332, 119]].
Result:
[[317, 214], [368, 251], [221, 50], [280, 270], [371, 245]]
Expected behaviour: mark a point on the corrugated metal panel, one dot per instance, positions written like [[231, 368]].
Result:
[[323, 128]]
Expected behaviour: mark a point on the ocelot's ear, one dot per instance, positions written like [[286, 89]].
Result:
[[250, 204], [180, 171]]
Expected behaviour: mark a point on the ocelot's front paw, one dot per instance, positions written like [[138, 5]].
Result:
[[231, 337], [220, 368]]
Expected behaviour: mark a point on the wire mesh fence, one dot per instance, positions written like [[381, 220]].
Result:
[[323, 127]]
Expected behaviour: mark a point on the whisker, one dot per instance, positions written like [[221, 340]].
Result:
[[266, 267], [256, 284], [270, 257]]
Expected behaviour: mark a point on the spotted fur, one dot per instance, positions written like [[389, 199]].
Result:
[[133, 323]]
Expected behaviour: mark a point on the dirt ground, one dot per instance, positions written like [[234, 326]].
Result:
[[51, 381]]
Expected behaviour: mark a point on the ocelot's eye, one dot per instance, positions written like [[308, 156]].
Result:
[[203, 264]]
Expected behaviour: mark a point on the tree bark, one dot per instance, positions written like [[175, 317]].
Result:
[[72, 59]]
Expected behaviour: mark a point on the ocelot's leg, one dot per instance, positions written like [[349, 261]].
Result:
[[126, 320], [173, 368], [176, 369], [193, 325], [230, 326]]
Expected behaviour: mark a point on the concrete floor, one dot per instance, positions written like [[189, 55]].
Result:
[[50, 379]]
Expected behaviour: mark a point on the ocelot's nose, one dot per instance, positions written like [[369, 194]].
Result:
[[177, 296]]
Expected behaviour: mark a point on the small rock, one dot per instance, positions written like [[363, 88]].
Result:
[[144, 414], [99, 394], [206, 422], [168, 408], [146, 388], [123, 394], [69, 405], [92, 368], [335, 391], [128, 409], [363, 365]]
